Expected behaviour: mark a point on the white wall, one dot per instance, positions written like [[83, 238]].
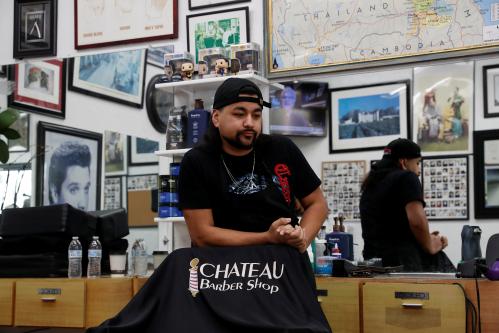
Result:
[[111, 116]]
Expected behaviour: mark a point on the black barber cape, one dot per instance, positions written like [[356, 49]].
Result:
[[225, 289]]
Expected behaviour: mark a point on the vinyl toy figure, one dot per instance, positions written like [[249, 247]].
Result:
[[187, 70], [221, 66], [202, 68], [235, 66]]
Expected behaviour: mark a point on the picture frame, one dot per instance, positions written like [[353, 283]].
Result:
[[443, 102], [127, 85], [22, 126], [490, 76], [113, 192], [368, 117], [17, 181], [159, 104], [77, 183], [115, 153], [486, 173], [156, 55], [141, 151], [40, 87], [202, 4], [3, 71], [35, 28], [105, 23], [341, 184], [445, 181], [202, 29]]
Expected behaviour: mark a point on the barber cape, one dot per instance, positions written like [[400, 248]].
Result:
[[225, 289]]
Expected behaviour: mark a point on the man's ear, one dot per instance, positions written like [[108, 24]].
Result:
[[215, 117], [53, 194], [403, 163]]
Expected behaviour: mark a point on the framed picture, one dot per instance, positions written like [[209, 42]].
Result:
[[124, 82], [3, 71], [113, 193], [217, 29], [115, 153], [490, 91], [159, 104], [368, 117], [40, 87], [141, 151], [341, 183], [445, 187], [16, 185], [443, 108], [156, 55], [486, 170], [200, 4], [100, 23], [35, 28], [68, 166], [21, 125], [314, 37]]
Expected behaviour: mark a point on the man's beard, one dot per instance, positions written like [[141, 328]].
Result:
[[238, 143]]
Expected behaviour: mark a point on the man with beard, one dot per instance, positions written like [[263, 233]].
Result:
[[241, 187]]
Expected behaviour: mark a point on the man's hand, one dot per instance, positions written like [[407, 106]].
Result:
[[443, 239], [278, 230]]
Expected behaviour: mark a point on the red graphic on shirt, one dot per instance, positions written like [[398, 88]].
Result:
[[282, 171]]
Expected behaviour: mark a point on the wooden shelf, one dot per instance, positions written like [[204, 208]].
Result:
[[209, 83], [169, 219], [171, 152]]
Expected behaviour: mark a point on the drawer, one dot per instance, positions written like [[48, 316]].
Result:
[[105, 298], [52, 303], [340, 303], [6, 301], [413, 307]]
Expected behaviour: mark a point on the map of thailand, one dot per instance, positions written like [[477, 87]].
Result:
[[309, 33]]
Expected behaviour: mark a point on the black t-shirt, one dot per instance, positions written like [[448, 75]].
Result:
[[243, 197], [385, 226]]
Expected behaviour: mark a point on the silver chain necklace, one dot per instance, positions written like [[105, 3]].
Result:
[[251, 184]]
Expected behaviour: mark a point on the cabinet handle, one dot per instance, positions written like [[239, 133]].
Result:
[[48, 299], [412, 305]]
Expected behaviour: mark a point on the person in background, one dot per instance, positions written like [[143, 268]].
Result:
[[238, 187], [69, 175], [288, 115], [394, 223]]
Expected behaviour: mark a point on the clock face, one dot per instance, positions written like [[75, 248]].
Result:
[[159, 103]]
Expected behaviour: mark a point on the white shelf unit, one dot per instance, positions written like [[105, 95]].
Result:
[[171, 152]]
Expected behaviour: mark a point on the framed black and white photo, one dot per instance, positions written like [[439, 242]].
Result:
[[40, 87], [17, 190], [368, 117], [490, 91], [201, 4], [141, 151], [217, 29], [113, 192], [35, 28], [68, 166], [445, 187], [21, 125], [116, 76], [115, 153], [341, 183], [486, 173]]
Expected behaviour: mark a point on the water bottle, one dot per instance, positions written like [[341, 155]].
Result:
[[139, 257], [74, 258], [94, 258]]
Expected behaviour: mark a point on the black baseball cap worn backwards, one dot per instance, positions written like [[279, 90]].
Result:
[[402, 148], [230, 90]]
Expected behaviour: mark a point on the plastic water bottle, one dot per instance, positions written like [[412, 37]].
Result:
[[74, 258], [94, 258], [139, 257]]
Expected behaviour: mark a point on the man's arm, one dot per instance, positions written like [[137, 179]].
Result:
[[203, 231], [431, 243]]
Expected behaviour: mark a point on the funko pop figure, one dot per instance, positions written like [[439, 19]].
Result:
[[168, 74], [202, 68], [221, 66], [187, 69], [235, 66]]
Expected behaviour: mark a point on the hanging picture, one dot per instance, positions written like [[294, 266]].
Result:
[[368, 117], [490, 91], [21, 125], [68, 166], [115, 153], [156, 55], [3, 71], [116, 76], [486, 171], [40, 87], [443, 108], [200, 4], [445, 187], [35, 28], [141, 151], [17, 187], [217, 29], [100, 23], [112, 192], [341, 183]]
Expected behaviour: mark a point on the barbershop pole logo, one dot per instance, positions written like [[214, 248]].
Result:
[[193, 277]]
